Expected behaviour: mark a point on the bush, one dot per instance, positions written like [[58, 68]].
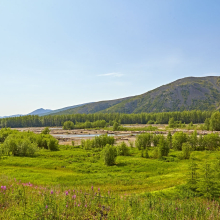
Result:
[[155, 153], [215, 121], [178, 139], [73, 143], [143, 141], [102, 140], [150, 122], [186, 151], [163, 147], [116, 126], [19, 147], [68, 125], [109, 155], [123, 149], [53, 144], [5, 132], [46, 131]]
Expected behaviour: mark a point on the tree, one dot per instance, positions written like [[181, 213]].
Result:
[[109, 155], [163, 147], [178, 139], [171, 123], [193, 140], [68, 125], [193, 176], [116, 126], [123, 149], [169, 139], [46, 131], [215, 121], [143, 141], [208, 185], [186, 151]]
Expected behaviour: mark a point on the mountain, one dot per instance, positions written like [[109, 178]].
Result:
[[200, 93], [36, 112], [40, 111], [54, 112]]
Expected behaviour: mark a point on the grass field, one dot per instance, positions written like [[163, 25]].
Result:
[[74, 183]]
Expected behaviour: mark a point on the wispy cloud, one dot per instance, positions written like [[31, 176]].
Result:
[[112, 74]]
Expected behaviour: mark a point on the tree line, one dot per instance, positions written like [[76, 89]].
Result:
[[195, 116]]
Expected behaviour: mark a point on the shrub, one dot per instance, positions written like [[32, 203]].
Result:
[[155, 153], [123, 149], [150, 122], [102, 140], [163, 147], [116, 126], [5, 132], [143, 141], [215, 121], [186, 151], [53, 144], [109, 155], [68, 125], [178, 139], [46, 131], [73, 143], [19, 147]]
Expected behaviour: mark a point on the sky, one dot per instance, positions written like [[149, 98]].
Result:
[[58, 53]]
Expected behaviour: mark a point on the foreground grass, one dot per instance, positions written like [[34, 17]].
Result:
[[27, 201], [59, 185]]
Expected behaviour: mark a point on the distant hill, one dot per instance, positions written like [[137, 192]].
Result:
[[202, 93], [40, 111], [55, 112]]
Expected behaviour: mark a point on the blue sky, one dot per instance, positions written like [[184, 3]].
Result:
[[55, 54]]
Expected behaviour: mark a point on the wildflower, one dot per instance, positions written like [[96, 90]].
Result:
[[85, 205], [74, 197], [46, 206], [176, 208], [67, 193], [66, 205], [3, 187], [92, 187], [208, 208], [78, 205], [51, 192], [98, 189]]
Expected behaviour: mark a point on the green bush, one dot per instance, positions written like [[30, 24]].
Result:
[[116, 126], [19, 147], [163, 147], [123, 149], [178, 139], [68, 125], [186, 148], [46, 131], [143, 141], [109, 155]]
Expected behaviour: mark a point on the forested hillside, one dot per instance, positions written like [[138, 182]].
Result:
[[191, 93]]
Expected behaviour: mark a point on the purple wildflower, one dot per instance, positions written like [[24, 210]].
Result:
[[51, 192], [92, 187], [67, 193], [46, 206]]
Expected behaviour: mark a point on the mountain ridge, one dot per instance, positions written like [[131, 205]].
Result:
[[188, 93]]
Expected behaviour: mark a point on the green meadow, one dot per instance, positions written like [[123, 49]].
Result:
[[73, 182]]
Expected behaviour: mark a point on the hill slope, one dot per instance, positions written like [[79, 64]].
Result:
[[189, 93]]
